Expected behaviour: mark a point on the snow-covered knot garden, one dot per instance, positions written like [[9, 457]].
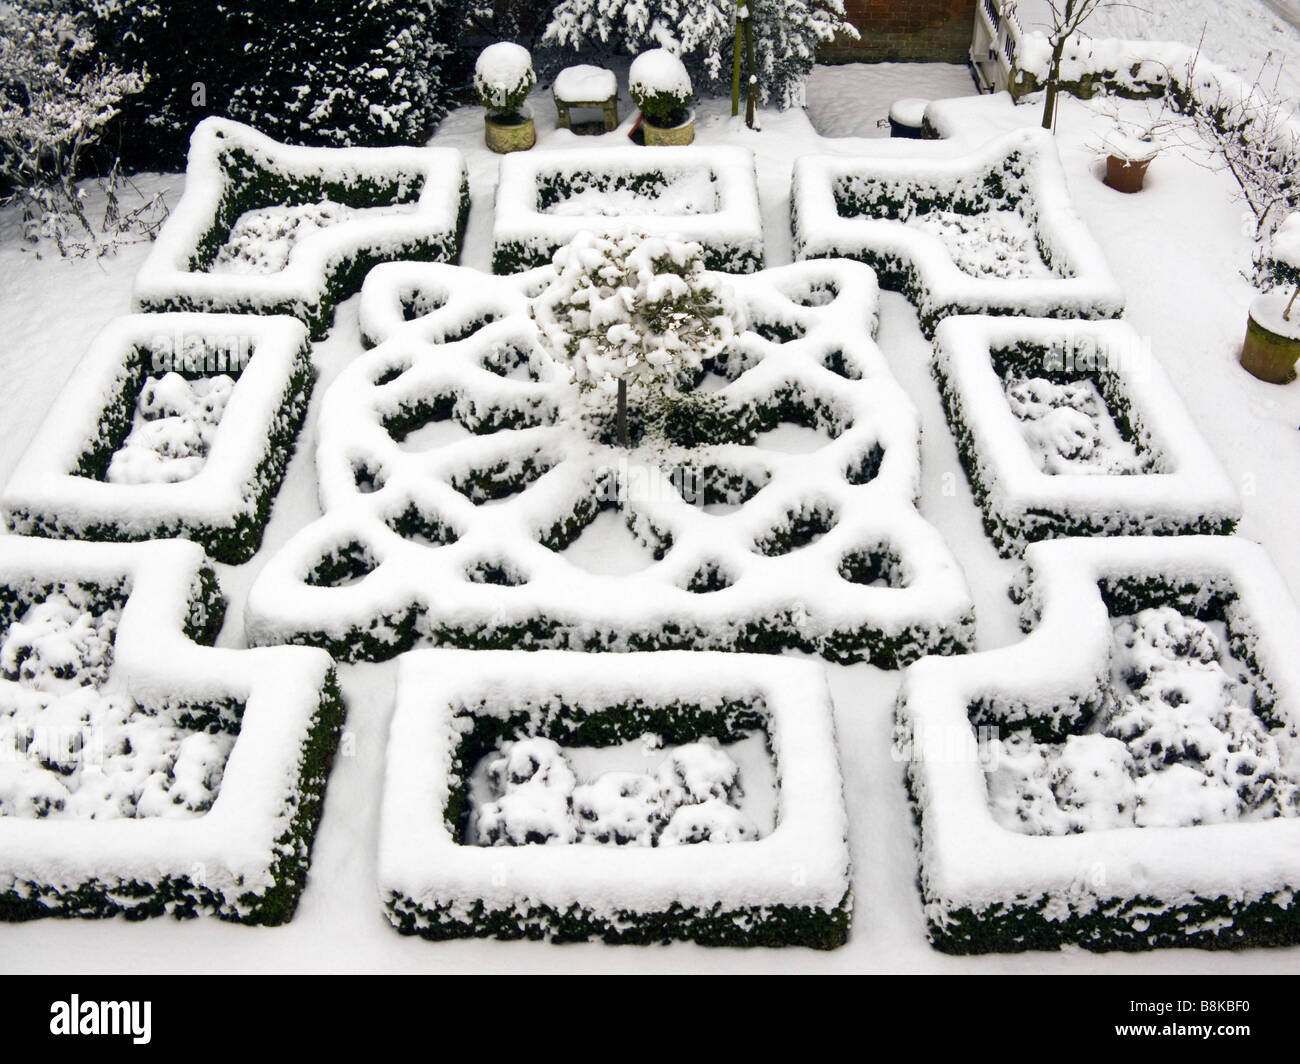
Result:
[[799, 538]]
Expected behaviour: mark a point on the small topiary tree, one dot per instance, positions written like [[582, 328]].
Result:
[[633, 308], [661, 87], [503, 78]]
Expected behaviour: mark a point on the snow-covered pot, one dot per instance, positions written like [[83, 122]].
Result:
[[907, 118], [1272, 344], [1127, 161], [503, 78], [661, 87]]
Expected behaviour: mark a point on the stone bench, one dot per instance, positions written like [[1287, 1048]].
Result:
[[586, 86]]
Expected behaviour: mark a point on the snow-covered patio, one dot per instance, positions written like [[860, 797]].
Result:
[[1177, 251]]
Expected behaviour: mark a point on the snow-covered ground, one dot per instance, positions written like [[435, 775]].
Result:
[[1177, 250]]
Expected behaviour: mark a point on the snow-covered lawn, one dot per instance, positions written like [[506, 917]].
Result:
[[1177, 251]]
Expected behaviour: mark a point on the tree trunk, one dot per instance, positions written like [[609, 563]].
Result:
[[737, 46], [621, 420], [1053, 85], [752, 87]]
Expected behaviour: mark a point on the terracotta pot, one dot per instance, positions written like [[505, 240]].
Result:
[[1126, 175], [1272, 344], [505, 137], [669, 135]]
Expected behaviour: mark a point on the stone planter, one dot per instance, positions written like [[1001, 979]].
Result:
[[504, 137], [1272, 344], [669, 135]]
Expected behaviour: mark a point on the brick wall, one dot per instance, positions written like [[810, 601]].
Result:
[[934, 30]]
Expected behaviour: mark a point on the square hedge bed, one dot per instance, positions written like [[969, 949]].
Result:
[[1114, 453], [243, 856], [66, 486], [1194, 881], [789, 887], [710, 195], [987, 232], [455, 474], [325, 215]]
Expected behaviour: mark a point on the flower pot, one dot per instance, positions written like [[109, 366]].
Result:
[[907, 119], [505, 134], [669, 135], [1272, 342], [1124, 174]]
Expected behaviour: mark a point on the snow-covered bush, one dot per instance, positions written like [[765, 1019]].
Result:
[[503, 78], [142, 771], [628, 307], [702, 33], [269, 228], [455, 481], [1148, 724], [991, 231], [172, 425], [709, 195], [57, 104], [1073, 429], [660, 87], [328, 72], [637, 871]]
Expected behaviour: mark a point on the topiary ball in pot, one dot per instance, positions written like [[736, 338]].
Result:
[[503, 78], [661, 87]]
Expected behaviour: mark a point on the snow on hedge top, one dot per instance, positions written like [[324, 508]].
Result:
[[440, 694], [503, 75], [236, 844], [710, 195], [658, 73], [985, 231], [1164, 477], [776, 529], [227, 163], [585, 84], [1052, 677], [52, 487]]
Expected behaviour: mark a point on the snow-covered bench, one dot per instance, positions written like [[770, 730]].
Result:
[[788, 887], [456, 474], [1126, 776], [270, 228], [1071, 428], [709, 195], [171, 425], [990, 232], [586, 88], [140, 771]]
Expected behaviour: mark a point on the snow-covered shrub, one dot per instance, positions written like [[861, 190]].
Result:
[[172, 425], [503, 78], [660, 87], [631, 308], [456, 478], [732, 887], [989, 232], [709, 195], [326, 72], [1072, 428], [183, 778], [268, 228], [57, 103], [1149, 722], [702, 33]]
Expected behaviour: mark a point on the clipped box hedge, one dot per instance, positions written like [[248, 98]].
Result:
[[60, 489], [234, 169], [244, 859], [790, 887]]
